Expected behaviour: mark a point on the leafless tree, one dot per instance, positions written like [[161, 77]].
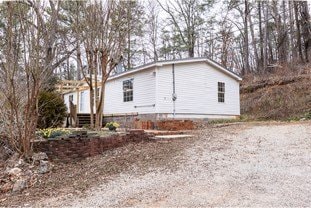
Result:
[[102, 36], [153, 27], [33, 49], [185, 16]]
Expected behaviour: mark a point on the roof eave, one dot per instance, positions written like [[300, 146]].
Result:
[[226, 71]]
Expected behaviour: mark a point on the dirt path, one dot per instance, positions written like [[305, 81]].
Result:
[[241, 165]]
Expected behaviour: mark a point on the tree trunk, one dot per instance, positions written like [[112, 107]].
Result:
[[246, 47], [90, 59], [284, 29], [100, 109], [92, 107], [105, 75], [298, 33], [261, 62], [292, 46], [129, 37], [68, 70], [79, 63], [254, 42], [306, 28], [128, 51], [265, 59]]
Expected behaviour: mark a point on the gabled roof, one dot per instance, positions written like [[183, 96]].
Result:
[[68, 86], [178, 61]]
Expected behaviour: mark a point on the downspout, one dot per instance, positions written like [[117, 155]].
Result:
[[174, 96]]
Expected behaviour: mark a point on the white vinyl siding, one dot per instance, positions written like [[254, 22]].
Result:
[[82, 101], [143, 94], [197, 90]]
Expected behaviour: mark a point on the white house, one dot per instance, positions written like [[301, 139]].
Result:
[[195, 88]]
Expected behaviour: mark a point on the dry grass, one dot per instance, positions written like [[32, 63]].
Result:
[[284, 94]]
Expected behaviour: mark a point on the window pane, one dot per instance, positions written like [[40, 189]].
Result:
[[221, 97], [221, 87]]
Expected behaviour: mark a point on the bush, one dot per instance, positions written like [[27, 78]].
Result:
[[112, 126], [52, 110], [52, 133]]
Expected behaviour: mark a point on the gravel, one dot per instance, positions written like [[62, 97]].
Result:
[[251, 164]]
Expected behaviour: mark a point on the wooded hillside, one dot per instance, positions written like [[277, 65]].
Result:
[[285, 95]]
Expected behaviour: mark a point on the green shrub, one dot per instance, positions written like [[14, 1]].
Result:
[[52, 110], [52, 133]]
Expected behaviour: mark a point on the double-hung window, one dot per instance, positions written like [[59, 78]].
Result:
[[128, 90], [221, 92]]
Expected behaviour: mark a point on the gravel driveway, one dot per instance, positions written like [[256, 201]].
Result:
[[252, 164]]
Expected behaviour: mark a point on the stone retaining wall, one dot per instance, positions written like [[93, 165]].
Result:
[[68, 149]]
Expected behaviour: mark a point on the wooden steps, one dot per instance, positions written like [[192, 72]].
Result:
[[85, 119]]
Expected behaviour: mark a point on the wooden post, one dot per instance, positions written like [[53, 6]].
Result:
[[78, 101]]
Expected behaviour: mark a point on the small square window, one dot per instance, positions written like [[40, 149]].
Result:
[[221, 92]]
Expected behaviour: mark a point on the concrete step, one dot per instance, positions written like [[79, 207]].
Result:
[[175, 136], [161, 132]]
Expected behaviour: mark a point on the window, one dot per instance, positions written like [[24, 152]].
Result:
[[128, 90], [70, 98], [221, 92]]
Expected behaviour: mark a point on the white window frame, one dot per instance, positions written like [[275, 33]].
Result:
[[221, 89], [128, 94]]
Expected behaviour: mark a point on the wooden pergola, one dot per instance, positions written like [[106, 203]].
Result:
[[67, 86], [72, 86]]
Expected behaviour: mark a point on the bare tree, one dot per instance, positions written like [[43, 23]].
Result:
[[153, 27], [306, 28], [298, 28], [103, 37], [246, 43], [33, 50], [185, 16]]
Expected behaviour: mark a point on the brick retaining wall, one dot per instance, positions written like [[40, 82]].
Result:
[[175, 125], [166, 125], [69, 149]]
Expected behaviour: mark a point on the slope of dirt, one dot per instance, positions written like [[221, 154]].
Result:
[[277, 97]]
